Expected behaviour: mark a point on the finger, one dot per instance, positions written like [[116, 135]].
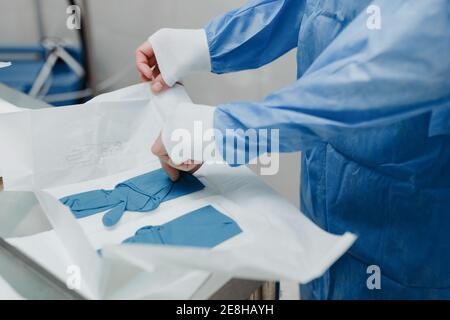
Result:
[[195, 169], [159, 150], [173, 173], [147, 49], [156, 72], [142, 64], [152, 61], [145, 53], [143, 78], [185, 166], [144, 68], [159, 84]]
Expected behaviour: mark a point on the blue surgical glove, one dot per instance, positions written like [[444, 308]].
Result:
[[140, 194], [205, 227]]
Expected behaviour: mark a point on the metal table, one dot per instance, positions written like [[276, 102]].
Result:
[[32, 281], [20, 99]]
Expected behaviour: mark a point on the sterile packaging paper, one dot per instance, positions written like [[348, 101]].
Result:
[[61, 151]]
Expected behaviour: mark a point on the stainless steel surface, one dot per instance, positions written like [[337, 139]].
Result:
[[237, 289], [20, 99]]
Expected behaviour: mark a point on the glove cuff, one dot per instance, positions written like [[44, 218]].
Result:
[[180, 52]]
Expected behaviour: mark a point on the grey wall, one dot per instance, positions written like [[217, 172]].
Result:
[[117, 27]]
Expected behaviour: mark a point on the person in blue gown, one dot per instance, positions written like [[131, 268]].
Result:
[[370, 112]]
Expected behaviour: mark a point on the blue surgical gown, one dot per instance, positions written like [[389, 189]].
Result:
[[370, 111]]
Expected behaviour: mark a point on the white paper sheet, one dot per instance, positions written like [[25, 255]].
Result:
[[61, 151], [59, 146]]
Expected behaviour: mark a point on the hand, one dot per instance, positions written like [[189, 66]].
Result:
[[172, 170], [148, 69]]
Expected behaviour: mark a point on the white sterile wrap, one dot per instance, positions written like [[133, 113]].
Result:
[[187, 132], [60, 151]]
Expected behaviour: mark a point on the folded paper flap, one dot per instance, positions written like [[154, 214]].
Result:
[[66, 145], [77, 143], [266, 262], [269, 249], [74, 239]]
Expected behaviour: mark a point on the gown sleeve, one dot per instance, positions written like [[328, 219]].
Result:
[[253, 35], [364, 78]]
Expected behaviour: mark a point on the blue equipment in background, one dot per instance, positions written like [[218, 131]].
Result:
[[48, 68], [51, 70]]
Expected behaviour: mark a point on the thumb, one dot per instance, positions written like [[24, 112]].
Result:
[[159, 85], [172, 172]]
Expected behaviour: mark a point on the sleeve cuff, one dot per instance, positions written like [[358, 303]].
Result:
[[180, 52], [189, 134]]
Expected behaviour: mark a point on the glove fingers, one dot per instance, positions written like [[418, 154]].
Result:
[[90, 200], [113, 216]]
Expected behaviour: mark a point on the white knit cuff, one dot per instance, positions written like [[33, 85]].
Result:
[[189, 134], [180, 52]]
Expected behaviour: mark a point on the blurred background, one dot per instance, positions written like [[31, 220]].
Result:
[[32, 32]]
